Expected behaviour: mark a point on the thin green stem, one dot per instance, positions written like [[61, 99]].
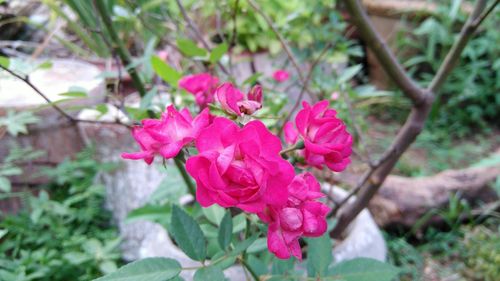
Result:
[[250, 270], [298, 145], [182, 169], [123, 53]]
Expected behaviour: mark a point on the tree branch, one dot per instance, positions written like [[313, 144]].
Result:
[[285, 46], [459, 45], [383, 53], [422, 102]]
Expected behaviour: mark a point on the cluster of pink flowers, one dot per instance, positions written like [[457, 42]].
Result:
[[242, 166]]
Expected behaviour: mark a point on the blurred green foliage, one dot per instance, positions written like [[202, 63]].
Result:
[[470, 97], [62, 233]]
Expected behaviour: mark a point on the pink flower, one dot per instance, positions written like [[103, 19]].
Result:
[[291, 134], [202, 86], [281, 75], [302, 215], [167, 136], [335, 96], [239, 167], [326, 139], [234, 102]]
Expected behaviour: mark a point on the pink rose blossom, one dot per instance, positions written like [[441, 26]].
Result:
[[302, 215], [325, 136], [281, 75], [202, 86], [234, 102], [167, 136], [239, 167]]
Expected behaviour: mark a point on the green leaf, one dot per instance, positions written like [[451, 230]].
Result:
[[151, 269], [225, 231], [252, 79], [17, 122], [319, 255], [211, 273], [4, 61], [190, 49], [218, 52], [165, 71], [74, 94], [242, 246], [214, 214], [44, 65], [102, 108], [348, 73], [188, 235], [258, 246], [364, 269], [3, 232], [239, 223], [5, 185], [148, 98], [153, 213]]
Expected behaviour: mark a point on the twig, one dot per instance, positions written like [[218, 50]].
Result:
[[383, 53], [422, 103], [457, 48], [70, 118], [479, 20], [197, 32], [285, 46], [304, 86], [298, 145]]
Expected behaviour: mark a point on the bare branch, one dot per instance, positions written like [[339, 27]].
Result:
[[304, 86], [285, 46], [459, 45], [70, 118], [374, 178], [383, 53]]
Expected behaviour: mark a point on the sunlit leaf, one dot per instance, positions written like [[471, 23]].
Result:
[[165, 71], [190, 49]]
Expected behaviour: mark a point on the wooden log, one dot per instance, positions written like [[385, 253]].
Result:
[[403, 201]]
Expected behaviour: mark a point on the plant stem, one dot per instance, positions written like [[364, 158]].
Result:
[[298, 145], [182, 169], [123, 53], [252, 272]]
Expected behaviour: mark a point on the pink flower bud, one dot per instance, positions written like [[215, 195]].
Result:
[[281, 75], [234, 102]]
